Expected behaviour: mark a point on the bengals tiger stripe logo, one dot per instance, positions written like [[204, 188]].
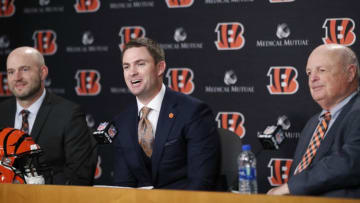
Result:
[[233, 121], [283, 80], [98, 170], [88, 82], [279, 170], [181, 80], [4, 87], [87, 6], [7, 8], [179, 3], [45, 41], [339, 31], [230, 36], [128, 33]]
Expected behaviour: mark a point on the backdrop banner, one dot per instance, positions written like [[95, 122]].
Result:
[[245, 58]]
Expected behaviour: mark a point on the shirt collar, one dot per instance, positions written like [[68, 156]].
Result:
[[155, 103], [33, 108], [338, 107]]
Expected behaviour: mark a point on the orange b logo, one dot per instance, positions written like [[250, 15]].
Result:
[[339, 31], [87, 82], [128, 33], [280, 170], [7, 8], [181, 80], [45, 41], [283, 80], [233, 121], [229, 36], [179, 3], [4, 87], [87, 6]]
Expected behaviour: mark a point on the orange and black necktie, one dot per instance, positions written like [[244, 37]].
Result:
[[314, 144], [25, 123], [145, 132]]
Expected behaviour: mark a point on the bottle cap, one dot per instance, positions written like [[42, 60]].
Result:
[[246, 147]]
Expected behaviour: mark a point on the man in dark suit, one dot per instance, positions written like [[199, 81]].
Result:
[[329, 165], [57, 125], [176, 146]]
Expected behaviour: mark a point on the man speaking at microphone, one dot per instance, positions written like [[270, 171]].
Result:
[[165, 139], [327, 158], [56, 124]]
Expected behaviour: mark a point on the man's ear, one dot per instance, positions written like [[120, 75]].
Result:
[[161, 67], [44, 71], [351, 72]]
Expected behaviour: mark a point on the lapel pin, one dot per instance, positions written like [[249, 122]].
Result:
[[171, 115]]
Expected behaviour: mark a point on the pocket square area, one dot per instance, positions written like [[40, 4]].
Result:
[[170, 142]]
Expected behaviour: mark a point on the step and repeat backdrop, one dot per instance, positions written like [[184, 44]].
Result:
[[245, 58]]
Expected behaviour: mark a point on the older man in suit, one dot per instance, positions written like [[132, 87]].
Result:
[[327, 158], [166, 139], [56, 124]]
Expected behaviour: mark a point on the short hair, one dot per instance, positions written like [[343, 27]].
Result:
[[153, 47], [351, 59], [346, 55]]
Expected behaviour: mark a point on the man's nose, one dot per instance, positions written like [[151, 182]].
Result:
[[313, 77], [18, 75], [133, 70]]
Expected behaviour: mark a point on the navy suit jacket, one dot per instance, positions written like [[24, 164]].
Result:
[[186, 150], [61, 131], [335, 170]]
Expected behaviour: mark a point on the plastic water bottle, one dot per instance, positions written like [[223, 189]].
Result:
[[247, 171]]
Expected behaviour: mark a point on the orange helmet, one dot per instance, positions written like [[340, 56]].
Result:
[[17, 153], [8, 175]]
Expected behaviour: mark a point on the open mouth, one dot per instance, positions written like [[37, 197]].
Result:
[[134, 82], [20, 85]]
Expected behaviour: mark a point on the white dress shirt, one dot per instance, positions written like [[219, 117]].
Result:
[[155, 106]]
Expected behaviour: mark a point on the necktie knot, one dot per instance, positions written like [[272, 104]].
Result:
[[24, 113], [145, 111], [327, 116]]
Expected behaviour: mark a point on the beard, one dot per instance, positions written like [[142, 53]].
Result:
[[30, 93]]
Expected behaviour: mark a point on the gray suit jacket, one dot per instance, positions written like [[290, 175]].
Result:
[[335, 170]]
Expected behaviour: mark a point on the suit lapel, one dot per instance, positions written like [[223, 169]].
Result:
[[134, 154], [10, 120], [333, 131], [304, 142], [164, 126], [41, 116]]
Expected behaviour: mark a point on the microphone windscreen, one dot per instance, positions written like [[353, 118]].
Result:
[[105, 133]]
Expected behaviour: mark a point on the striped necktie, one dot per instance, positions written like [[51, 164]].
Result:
[[145, 132], [25, 123], [314, 144]]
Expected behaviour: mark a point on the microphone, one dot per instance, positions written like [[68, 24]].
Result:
[[105, 133], [273, 135]]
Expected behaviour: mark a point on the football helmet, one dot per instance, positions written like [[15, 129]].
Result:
[[19, 158]]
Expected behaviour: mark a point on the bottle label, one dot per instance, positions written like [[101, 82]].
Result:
[[247, 173]]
